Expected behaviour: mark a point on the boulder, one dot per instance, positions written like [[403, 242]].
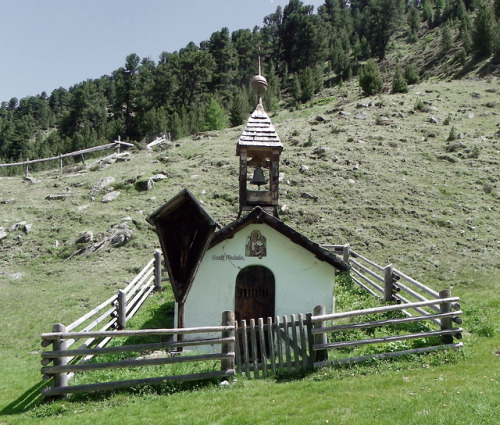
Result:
[[60, 197], [111, 196], [146, 184], [84, 237], [306, 195], [158, 177], [101, 184]]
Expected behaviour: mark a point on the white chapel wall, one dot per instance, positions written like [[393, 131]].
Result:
[[301, 280]]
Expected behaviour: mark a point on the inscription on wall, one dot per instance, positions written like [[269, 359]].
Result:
[[227, 257]]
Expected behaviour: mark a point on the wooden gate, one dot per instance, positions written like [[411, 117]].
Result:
[[286, 341]]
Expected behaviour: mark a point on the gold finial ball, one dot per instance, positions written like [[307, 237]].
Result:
[[259, 85]]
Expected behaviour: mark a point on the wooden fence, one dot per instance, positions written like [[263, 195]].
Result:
[[117, 144], [390, 284], [324, 325], [61, 357], [260, 348], [109, 316]]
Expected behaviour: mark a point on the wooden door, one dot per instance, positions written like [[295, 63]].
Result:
[[254, 295], [254, 298]]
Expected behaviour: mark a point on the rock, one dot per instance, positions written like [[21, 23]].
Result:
[[383, 120], [491, 105], [306, 195], [27, 228], [362, 105], [433, 120], [120, 235], [16, 276], [303, 168], [144, 185], [320, 150], [344, 114], [8, 201], [3, 234], [320, 118], [17, 226], [101, 184], [360, 116], [111, 196], [32, 180], [351, 181], [84, 237], [158, 177], [60, 197], [471, 115]]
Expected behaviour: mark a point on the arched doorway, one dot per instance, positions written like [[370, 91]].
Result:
[[254, 293]]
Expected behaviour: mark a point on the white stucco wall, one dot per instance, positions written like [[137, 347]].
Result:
[[301, 280]]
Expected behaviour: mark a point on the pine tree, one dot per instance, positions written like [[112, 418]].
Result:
[[370, 79], [215, 116], [307, 85], [446, 39], [496, 8], [399, 84], [413, 21], [411, 74], [483, 31]]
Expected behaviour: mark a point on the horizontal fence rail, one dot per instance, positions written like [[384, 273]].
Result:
[[114, 145], [388, 283], [88, 335], [61, 367], [320, 330]]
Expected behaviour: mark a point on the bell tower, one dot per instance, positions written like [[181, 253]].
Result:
[[259, 149]]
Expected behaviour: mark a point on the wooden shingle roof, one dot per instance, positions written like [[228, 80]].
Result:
[[259, 131]]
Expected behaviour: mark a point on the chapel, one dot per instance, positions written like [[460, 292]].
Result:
[[256, 266]]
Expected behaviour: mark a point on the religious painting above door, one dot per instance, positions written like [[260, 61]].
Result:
[[256, 245]]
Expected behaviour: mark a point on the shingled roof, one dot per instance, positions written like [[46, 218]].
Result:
[[259, 131]]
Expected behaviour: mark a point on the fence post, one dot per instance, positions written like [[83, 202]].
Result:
[[60, 162], [345, 253], [121, 309], [228, 347], [320, 338], [26, 168], [157, 269], [446, 322], [388, 283], [60, 379]]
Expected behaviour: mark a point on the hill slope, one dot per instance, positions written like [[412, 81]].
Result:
[[371, 172]]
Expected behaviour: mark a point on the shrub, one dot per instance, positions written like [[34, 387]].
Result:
[[370, 79], [399, 84], [411, 74]]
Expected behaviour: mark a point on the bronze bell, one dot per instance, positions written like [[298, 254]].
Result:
[[258, 177]]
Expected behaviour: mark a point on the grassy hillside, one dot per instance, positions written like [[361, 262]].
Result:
[[409, 179]]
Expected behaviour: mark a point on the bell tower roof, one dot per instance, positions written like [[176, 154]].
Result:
[[259, 131]]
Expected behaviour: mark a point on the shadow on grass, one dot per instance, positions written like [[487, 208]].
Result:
[[31, 398], [162, 318]]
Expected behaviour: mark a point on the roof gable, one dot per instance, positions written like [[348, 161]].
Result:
[[185, 230], [258, 215]]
